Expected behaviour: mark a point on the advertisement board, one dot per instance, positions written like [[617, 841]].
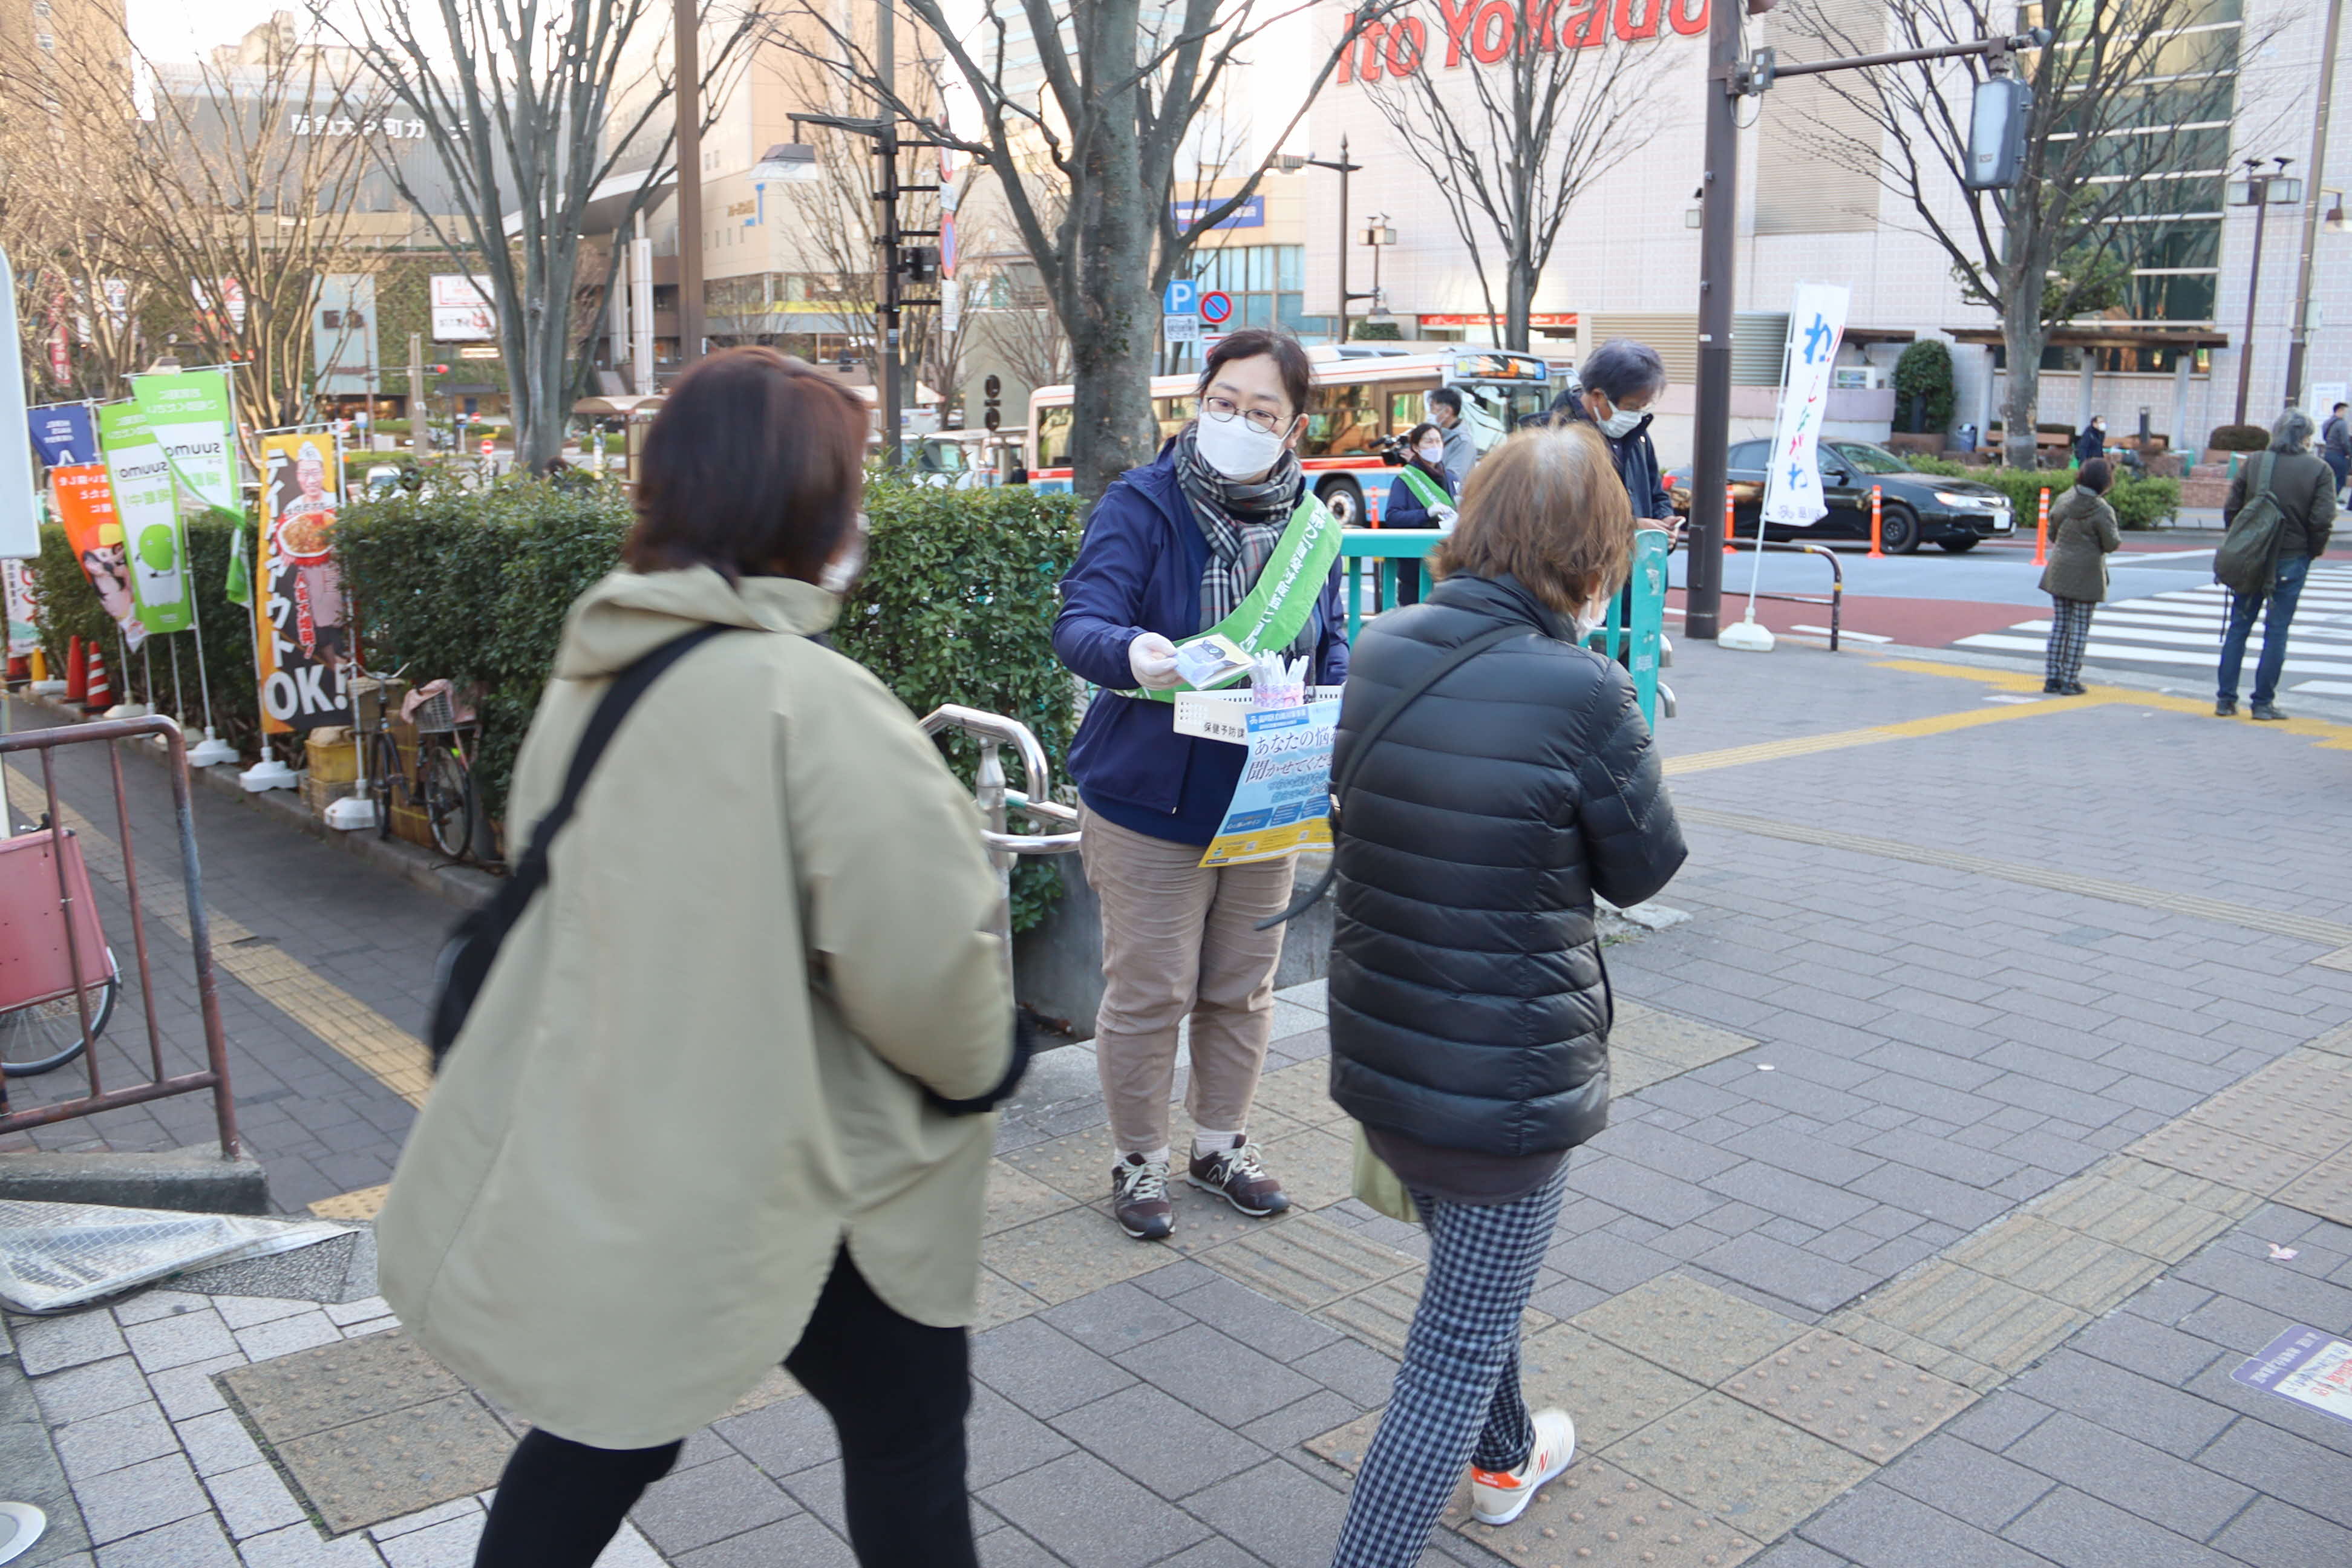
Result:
[[304, 666], [462, 311]]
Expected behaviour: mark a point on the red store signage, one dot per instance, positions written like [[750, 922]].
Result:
[[1488, 31]]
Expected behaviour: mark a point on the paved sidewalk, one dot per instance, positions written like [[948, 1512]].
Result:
[[1993, 1108]]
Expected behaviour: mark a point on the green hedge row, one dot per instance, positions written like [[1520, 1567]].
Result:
[[70, 608], [2138, 502], [957, 605]]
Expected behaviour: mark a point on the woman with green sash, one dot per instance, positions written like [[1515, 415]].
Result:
[[1218, 534], [1421, 496]]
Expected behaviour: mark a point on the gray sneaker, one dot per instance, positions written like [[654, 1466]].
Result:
[[2225, 708], [1138, 1198], [2267, 711]]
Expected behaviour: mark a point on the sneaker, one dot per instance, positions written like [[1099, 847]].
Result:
[[1235, 1176], [2073, 689], [1138, 1198], [2267, 711], [2225, 708], [1498, 1497], [2053, 688]]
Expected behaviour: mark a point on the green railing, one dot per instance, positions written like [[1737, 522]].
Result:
[[1631, 636]]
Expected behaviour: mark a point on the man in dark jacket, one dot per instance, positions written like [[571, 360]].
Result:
[[1613, 393], [2335, 446], [2305, 490]]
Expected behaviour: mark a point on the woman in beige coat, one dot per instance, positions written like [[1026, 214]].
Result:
[[2082, 534], [722, 1101]]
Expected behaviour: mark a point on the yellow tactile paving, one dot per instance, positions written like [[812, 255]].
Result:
[[365, 1204]]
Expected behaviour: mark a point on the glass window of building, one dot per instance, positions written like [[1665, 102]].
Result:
[[1268, 285]]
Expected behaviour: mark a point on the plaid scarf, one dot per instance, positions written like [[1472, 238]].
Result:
[[1241, 523]]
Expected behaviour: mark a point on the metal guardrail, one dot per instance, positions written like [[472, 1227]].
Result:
[[998, 802], [1834, 603], [65, 853]]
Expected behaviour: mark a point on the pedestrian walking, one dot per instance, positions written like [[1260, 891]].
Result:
[[2288, 493], [2336, 447], [2084, 534], [1420, 497], [721, 1103], [1182, 546], [2090, 440], [1469, 1000], [1445, 408]]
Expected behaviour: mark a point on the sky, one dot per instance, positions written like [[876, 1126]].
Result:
[[184, 29]]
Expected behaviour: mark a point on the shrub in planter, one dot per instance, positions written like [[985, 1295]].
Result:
[[2239, 439], [957, 605], [1925, 371]]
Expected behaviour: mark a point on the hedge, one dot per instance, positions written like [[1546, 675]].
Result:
[[957, 605], [2239, 439], [2138, 502], [1925, 371], [70, 608]]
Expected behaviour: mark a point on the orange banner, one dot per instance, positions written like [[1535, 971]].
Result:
[[84, 501]]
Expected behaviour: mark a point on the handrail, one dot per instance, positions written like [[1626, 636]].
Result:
[[995, 800], [1834, 603]]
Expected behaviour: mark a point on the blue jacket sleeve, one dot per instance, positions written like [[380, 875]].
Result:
[[1404, 508], [1331, 648], [1102, 598]]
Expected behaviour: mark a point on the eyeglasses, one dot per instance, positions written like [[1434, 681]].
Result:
[[1223, 409]]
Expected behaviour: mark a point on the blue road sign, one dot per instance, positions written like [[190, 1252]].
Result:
[[1184, 299]]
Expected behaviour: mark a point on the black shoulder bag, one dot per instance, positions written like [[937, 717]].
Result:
[[472, 946], [1372, 733]]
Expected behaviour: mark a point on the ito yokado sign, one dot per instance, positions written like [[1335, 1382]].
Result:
[[1486, 32]]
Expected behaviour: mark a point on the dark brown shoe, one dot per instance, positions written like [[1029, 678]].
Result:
[[1235, 1176], [1138, 1198]]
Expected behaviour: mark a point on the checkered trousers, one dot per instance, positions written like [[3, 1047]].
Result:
[[1456, 1401], [2070, 633]]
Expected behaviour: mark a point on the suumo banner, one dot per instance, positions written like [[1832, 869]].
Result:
[[63, 433], [84, 500], [147, 507], [191, 415], [305, 625], [1792, 479]]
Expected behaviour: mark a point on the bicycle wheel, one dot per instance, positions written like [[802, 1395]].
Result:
[[449, 801], [384, 777], [47, 1035]]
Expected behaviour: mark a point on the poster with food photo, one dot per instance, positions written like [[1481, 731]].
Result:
[[305, 627]]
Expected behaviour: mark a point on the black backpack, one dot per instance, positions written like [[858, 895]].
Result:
[[2247, 563]]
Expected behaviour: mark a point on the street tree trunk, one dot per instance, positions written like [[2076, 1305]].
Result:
[[2024, 334], [1111, 335]]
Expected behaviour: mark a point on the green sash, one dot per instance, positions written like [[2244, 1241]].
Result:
[[1428, 492], [1278, 609]]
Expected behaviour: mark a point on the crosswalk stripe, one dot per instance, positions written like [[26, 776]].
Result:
[[2184, 627], [2130, 653]]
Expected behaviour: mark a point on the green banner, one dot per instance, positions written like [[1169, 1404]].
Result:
[[192, 416], [1276, 608], [147, 506]]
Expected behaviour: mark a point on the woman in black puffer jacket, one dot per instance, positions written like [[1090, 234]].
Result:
[[1470, 1008]]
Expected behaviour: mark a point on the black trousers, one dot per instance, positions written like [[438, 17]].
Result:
[[898, 1393]]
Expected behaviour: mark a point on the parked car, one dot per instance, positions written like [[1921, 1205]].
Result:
[[1955, 515]]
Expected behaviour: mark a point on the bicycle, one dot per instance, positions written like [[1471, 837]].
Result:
[[41, 995], [442, 786]]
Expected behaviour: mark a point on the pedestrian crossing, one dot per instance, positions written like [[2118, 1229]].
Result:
[[2181, 627]]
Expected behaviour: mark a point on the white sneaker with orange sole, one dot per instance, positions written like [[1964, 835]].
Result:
[[1498, 1497]]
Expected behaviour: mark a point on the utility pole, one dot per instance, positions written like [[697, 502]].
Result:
[[2299, 345], [1290, 162], [2257, 187], [885, 199], [1711, 430], [418, 434], [686, 40]]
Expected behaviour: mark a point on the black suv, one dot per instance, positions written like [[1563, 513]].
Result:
[[1914, 507]]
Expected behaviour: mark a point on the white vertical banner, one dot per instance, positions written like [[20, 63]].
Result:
[[1792, 479], [20, 511]]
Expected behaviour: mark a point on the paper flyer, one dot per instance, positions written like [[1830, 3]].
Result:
[[1282, 804]]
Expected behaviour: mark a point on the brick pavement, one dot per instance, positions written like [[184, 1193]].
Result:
[[2018, 1150]]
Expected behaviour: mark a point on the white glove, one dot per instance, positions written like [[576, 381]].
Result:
[[1152, 659], [1446, 518]]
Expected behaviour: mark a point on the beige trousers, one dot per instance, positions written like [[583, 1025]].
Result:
[[1177, 940]]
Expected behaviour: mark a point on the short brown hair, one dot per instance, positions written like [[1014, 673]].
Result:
[[1254, 343], [1546, 509], [754, 467]]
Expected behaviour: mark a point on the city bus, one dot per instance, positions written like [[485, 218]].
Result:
[[1366, 396]]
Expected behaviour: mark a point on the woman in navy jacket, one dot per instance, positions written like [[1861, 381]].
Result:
[[1427, 447], [1169, 550]]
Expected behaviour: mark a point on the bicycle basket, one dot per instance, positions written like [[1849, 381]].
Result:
[[437, 715]]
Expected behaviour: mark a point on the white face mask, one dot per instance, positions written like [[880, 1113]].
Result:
[[1619, 422], [1234, 449], [1432, 455], [841, 571]]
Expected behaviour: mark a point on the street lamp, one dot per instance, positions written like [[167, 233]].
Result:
[[2258, 190], [1378, 237], [1290, 163]]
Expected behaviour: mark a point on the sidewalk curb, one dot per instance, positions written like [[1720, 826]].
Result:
[[466, 887]]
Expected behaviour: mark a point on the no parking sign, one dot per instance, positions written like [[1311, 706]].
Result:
[[1216, 308]]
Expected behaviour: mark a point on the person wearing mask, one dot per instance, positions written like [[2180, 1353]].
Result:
[[2336, 447], [1420, 497], [1217, 534], [666, 1154], [2091, 441], [2082, 534], [1469, 1001], [1445, 407], [2303, 490], [1613, 391]]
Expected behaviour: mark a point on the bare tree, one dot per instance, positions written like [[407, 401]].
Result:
[[1087, 160], [2132, 108], [532, 108], [1563, 107]]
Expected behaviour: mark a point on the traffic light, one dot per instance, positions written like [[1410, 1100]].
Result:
[[437, 369], [1997, 133], [920, 263]]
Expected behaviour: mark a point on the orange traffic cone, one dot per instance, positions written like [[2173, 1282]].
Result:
[[1730, 525], [77, 671], [99, 691]]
